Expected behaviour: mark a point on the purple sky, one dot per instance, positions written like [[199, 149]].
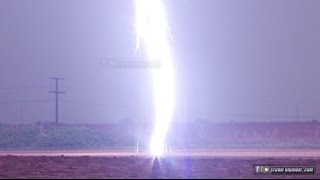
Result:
[[235, 60]]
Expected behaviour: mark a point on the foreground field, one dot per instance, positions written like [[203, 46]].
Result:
[[129, 165], [126, 135]]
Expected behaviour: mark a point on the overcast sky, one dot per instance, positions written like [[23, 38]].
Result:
[[241, 60]]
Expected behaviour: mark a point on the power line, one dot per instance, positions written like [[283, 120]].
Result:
[[289, 102], [57, 92], [24, 101], [20, 88], [80, 103], [267, 115]]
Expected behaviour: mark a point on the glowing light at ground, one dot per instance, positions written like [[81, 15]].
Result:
[[153, 34]]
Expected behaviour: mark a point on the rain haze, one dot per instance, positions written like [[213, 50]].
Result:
[[234, 61], [159, 89]]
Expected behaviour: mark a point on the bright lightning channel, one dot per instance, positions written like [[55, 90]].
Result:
[[153, 34]]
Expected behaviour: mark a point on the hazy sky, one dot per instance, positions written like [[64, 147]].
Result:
[[242, 60]]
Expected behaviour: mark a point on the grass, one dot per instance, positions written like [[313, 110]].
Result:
[[75, 137]]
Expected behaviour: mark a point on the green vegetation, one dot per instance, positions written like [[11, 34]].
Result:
[[70, 138], [18, 137], [50, 137]]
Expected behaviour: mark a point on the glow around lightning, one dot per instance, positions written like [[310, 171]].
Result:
[[153, 35]]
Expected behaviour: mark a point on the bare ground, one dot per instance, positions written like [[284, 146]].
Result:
[[124, 165]]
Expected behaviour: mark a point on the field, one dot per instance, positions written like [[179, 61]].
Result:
[[193, 164], [199, 150], [125, 135]]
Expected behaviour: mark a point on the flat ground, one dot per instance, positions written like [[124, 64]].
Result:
[[221, 163]]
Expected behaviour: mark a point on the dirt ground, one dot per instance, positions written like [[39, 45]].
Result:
[[142, 166]]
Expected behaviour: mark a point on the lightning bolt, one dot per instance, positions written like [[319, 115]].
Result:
[[153, 34]]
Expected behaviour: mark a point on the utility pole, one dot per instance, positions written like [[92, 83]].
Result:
[[297, 112], [57, 92], [21, 113], [297, 103]]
